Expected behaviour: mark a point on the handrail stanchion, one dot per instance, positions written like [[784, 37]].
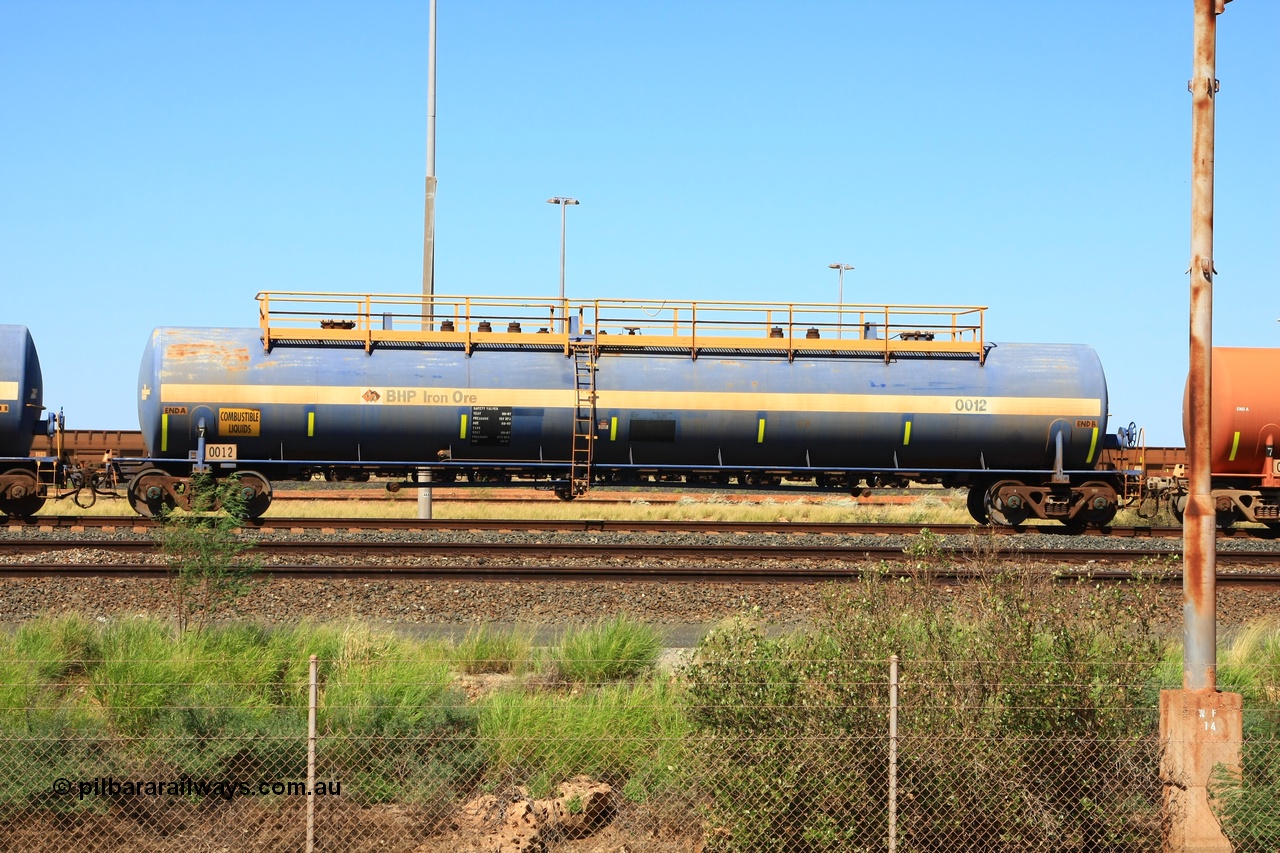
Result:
[[265, 320], [693, 331], [885, 337], [791, 332]]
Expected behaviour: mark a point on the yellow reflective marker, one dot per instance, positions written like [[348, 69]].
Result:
[[311, 424], [613, 429], [906, 434], [462, 433], [1093, 445], [1235, 445], [760, 433], [164, 433]]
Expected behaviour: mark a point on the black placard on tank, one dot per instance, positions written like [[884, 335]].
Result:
[[491, 425]]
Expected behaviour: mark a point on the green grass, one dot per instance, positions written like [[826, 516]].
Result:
[[1248, 663], [231, 701], [488, 650], [82, 699], [631, 733], [608, 650]]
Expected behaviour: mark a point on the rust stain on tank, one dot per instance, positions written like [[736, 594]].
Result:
[[220, 355]]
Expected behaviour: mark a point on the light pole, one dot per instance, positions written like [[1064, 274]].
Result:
[[429, 217], [564, 203], [840, 311], [429, 227]]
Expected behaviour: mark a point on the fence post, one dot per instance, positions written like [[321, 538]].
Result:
[[311, 759], [893, 753]]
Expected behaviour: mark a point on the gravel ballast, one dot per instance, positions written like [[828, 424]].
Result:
[[411, 601]]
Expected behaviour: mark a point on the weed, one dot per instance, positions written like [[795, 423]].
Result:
[[208, 568], [1021, 686]]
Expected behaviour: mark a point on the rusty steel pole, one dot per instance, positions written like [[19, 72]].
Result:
[[1199, 567]]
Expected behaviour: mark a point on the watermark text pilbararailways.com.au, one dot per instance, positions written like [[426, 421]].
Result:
[[228, 789]]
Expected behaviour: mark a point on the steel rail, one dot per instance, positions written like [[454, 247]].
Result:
[[687, 573], [589, 525], [631, 552]]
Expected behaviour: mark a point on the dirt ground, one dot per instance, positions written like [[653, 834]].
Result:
[[245, 826]]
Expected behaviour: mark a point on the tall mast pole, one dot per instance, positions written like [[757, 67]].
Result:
[[429, 218], [429, 231], [1199, 542]]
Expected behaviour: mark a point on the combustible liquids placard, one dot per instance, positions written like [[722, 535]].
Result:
[[239, 422]]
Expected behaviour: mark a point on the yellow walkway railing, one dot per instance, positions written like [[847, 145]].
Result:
[[472, 321]]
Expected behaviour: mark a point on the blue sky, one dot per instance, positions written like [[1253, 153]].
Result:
[[161, 163]]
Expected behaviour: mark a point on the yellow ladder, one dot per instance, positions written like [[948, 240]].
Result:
[[584, 417]]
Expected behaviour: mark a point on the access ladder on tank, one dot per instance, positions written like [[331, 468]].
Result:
[[584, 418]]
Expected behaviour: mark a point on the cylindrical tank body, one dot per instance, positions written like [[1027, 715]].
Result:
[[1244, 410], [317, 403], [21, 391]]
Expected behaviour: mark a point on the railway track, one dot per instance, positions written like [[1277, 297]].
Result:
[[587, 525], [787, 557], [690, 572]]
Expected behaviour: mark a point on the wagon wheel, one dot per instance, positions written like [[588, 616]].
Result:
[[1000, 514], [1098, 516], [147, 495], [22, 498], [977, 502], [255, 492]]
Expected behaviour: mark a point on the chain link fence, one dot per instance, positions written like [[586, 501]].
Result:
[[733, 754]]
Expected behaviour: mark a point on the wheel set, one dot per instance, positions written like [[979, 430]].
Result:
[[1010, 503]]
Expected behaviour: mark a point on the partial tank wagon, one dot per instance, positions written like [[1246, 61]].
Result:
[[627, 392], [1244, 436], [21, 391], [26, 477]]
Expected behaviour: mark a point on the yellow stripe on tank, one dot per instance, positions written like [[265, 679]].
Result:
[[760, 433], [613, 429], [8, 390], [164, 433], [311, 424], [1235, 445], [723, 401], [1093, 445], [906, 434], [462, 432]]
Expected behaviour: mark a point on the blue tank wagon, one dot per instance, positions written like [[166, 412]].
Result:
[[628, 392], [21, 405]]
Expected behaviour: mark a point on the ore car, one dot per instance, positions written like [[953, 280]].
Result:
[[565, 395]]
